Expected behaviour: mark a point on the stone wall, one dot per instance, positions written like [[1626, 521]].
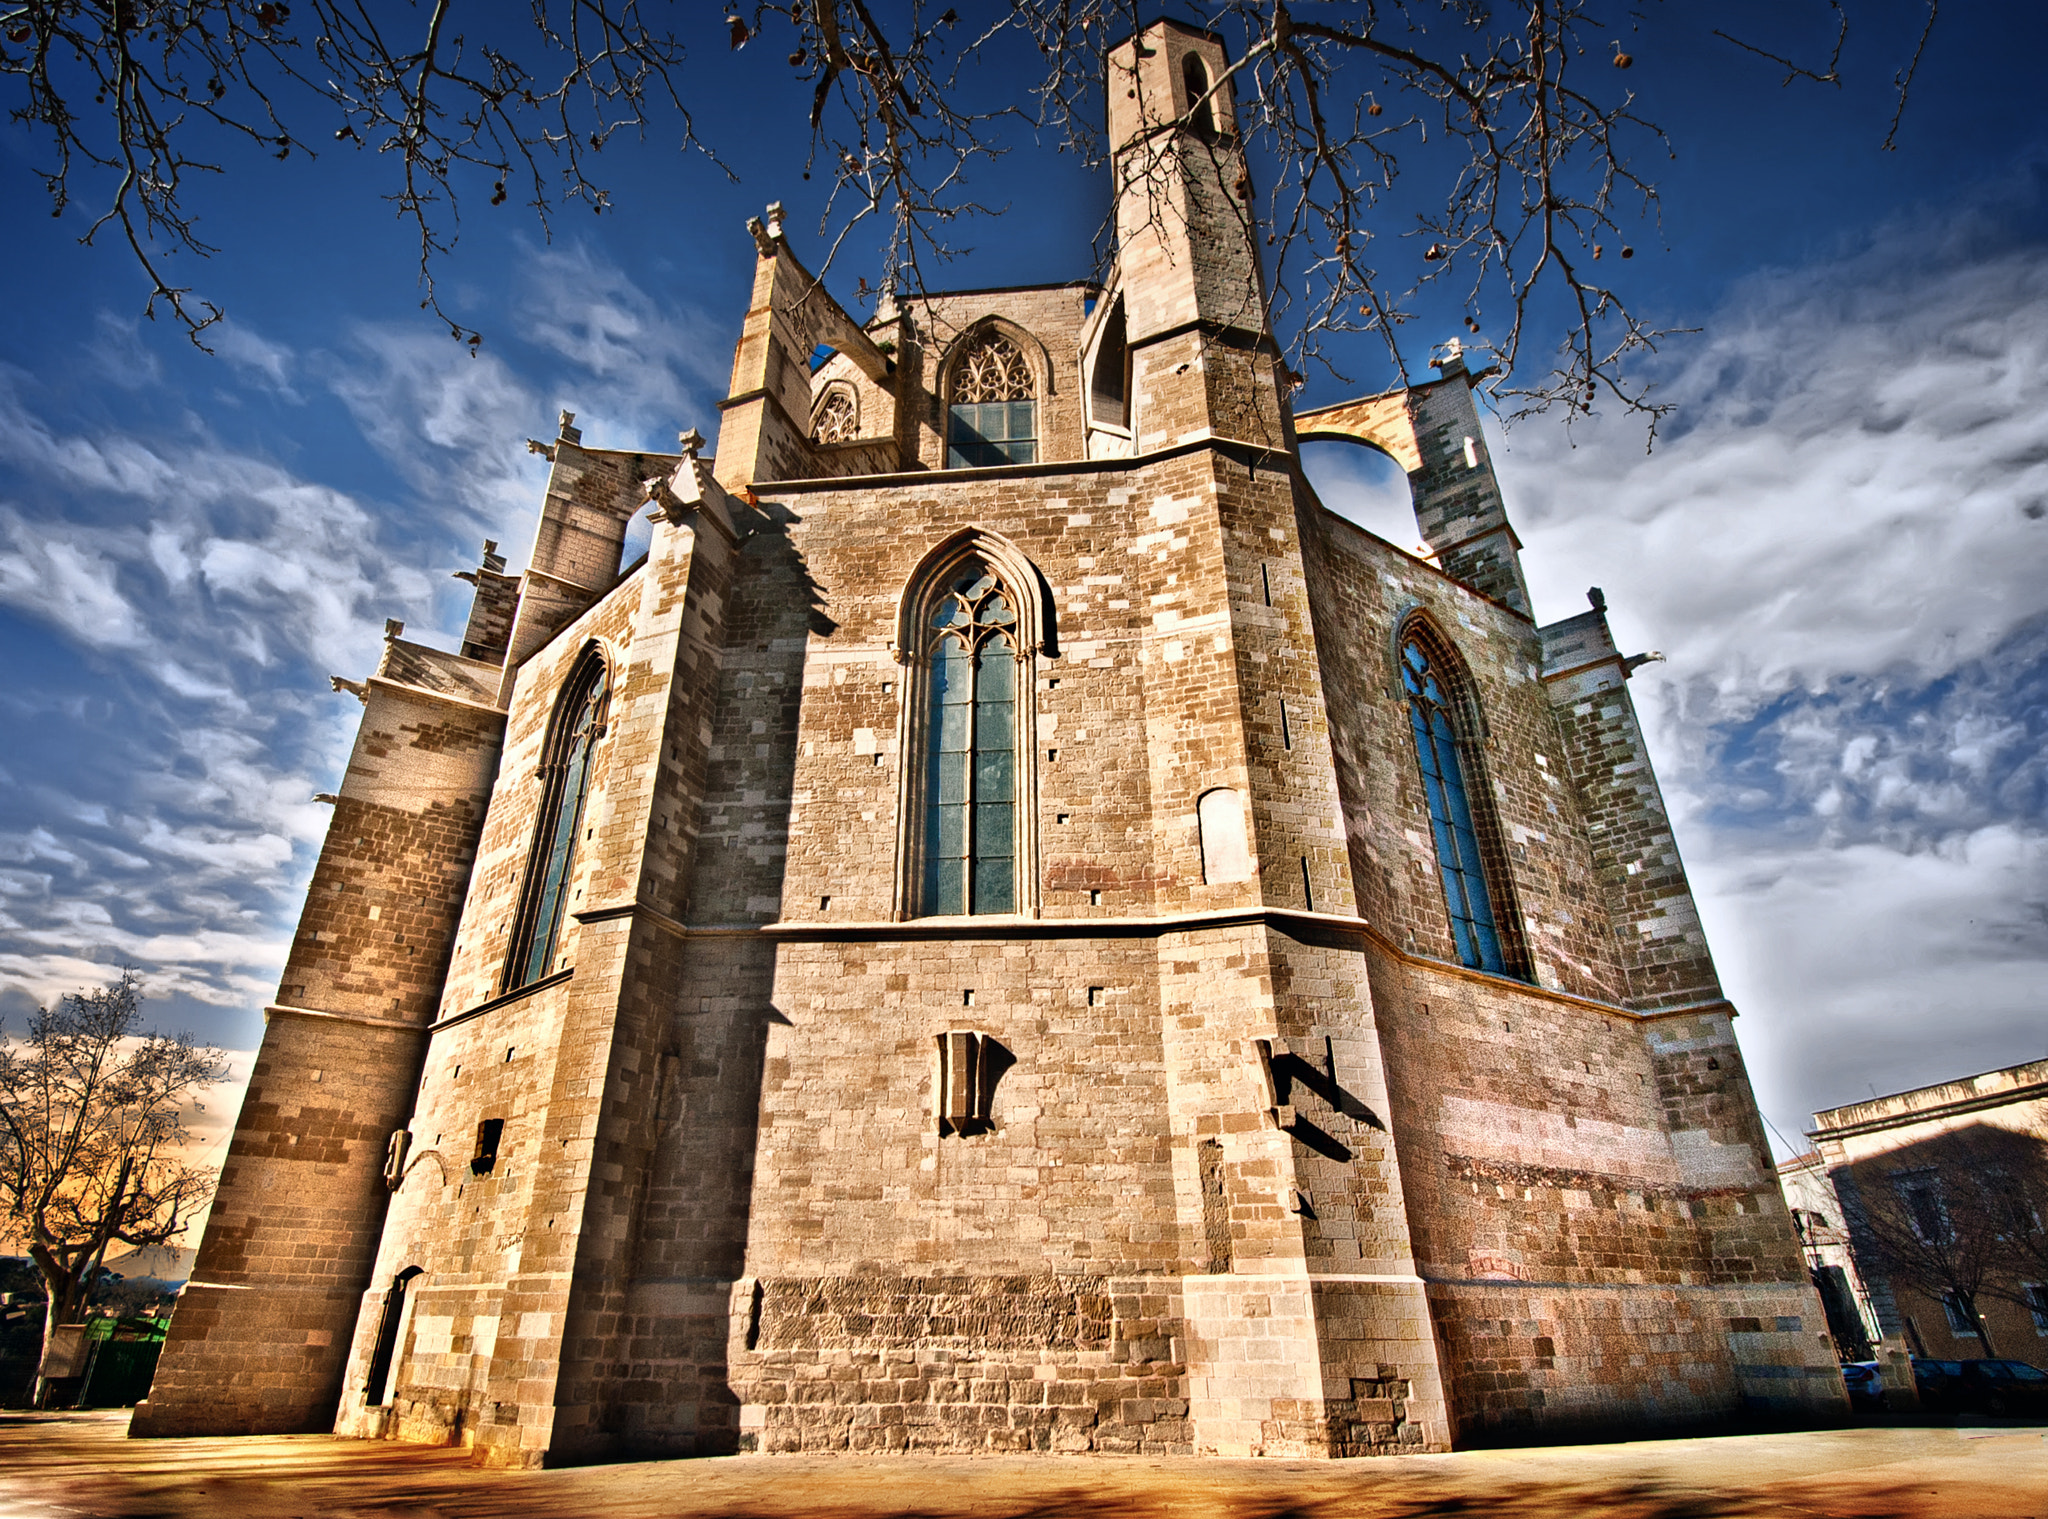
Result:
[[261, 1336]]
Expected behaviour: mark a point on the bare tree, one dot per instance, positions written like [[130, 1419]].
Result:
[[1937, 1218], [2015, 1183], [1518, 116], [92, 1118]]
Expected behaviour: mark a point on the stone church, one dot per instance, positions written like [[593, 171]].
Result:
[[1011, 927]]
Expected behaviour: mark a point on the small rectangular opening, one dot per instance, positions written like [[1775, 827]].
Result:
[[1062, 817], [1094, 899], [1286, 734], [488, 1133], [967, 997], [1095, 998], [1052, 756], [509, 1049], [1266, 583]]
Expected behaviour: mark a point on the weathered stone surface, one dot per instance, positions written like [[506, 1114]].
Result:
[[1270, 1173]]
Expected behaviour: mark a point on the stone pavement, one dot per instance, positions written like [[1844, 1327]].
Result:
[[64, 1466]]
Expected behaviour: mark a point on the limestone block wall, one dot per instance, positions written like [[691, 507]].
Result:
[[1583, 1156], [262, 1332], [1308, 1333], [1359, 591], [800, 821], [877, 1242], [1657, 933], [521, 1269]]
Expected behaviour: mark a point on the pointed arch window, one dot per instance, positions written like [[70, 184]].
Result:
[[1434, 718], [971, 817], [573, 735], [838, 418], [993, 415], [1194, 80], [1109, 386]]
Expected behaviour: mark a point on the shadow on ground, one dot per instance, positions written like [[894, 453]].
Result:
[[68, 1466]]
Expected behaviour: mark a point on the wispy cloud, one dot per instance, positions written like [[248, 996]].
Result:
[[171, 719], [645, 369]]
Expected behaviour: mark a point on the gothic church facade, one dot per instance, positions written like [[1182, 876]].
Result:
[[1011, 927]]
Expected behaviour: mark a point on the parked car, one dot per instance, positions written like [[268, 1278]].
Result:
[[2000, 1388], [2006, 1389], [1866, 1386]]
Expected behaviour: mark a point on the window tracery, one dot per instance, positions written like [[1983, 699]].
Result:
[[838, 420], [993, 412]]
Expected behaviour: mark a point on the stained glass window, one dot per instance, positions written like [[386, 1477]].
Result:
[[1431, 717], [994, 412], [970, 799], [565, 785]]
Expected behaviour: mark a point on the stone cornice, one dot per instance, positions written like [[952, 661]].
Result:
[[1045, 468], [503, 1000], [1293, 922], [366, 1019], [1905, 1118]]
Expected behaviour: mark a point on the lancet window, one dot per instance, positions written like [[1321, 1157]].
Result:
[[968, 854], [566, 762], [993, 415], [1436, 718]]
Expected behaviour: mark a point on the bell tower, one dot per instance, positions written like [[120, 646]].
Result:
[[1203, 363]]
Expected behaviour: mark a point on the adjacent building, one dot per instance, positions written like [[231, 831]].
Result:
[[1925, 1210], [1010, 927]]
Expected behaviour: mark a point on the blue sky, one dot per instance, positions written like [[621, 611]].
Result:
[[1840, 540]]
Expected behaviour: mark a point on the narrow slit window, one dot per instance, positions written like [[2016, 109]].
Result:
[[1201, 109], [565, 785], [1109, 386], [1431, 716], [488, 1134], [384, 1350]]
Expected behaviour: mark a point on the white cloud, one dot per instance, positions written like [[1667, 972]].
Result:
[[450, 423], [255, 357], [1849, 489], [45, 572], [647, 369]]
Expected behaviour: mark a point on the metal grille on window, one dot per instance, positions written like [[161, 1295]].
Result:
[[1450, 813], [970, 804], [994, 415], [837, 421], [565, 785]]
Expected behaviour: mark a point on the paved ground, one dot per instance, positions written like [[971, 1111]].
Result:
[[62, 1466]]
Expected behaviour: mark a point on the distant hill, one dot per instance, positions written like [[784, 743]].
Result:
[[170, 1264]]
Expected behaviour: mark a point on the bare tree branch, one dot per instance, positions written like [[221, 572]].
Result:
[[1516, 116]]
